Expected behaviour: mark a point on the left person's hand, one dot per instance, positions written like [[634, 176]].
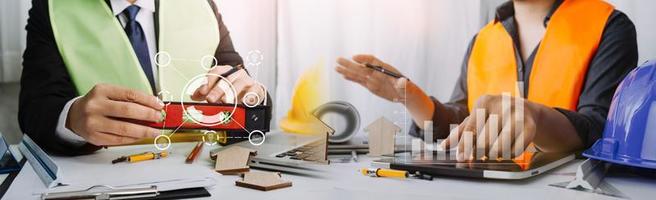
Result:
[[478, 134], [247, 89]]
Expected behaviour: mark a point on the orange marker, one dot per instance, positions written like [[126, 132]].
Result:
[[194, 153]]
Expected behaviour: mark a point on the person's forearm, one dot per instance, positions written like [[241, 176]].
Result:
[[419, 105], [554, 132]]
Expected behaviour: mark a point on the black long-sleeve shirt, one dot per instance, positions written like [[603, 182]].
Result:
[[46, 85], [616, 56]]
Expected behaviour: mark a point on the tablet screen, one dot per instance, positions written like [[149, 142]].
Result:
[[443, 163]]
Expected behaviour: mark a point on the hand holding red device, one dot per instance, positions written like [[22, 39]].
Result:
[[220, 117]]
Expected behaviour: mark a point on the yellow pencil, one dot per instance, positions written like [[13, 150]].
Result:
[[141, 157], [380, 172], [147, 156]]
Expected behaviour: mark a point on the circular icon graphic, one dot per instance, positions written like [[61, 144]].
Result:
[[207, 62], [162, 59], [256, 137], [210, 137], [162, 142], [165, 96], [197, 116], [251, 99], [254, 58]]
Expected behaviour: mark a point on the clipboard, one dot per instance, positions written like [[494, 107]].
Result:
[[51, 176], [101, 192]]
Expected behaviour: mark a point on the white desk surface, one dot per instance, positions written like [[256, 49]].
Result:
[[343, 181]]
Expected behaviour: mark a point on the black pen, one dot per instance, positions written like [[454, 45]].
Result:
[[225, 75], [383, 70], [231, 71]]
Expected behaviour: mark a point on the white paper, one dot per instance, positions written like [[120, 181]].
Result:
[[25, 182]]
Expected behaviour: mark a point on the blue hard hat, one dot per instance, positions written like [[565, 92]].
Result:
[[629, 136]]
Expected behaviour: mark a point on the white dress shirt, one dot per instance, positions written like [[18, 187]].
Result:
[[146, 18]]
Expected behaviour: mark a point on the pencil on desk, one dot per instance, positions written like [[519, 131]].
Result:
[[194, 153], [141, 157]]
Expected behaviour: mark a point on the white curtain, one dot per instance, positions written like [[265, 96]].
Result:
[[13, 17], [252, 26], [641, 12], [425, 39]]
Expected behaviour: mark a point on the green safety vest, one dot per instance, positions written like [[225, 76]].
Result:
[[95, 48]]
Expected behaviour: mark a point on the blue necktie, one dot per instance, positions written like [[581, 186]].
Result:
[[139, 43]]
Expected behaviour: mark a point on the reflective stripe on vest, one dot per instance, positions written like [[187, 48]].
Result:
[[95, 48], [561, 62]]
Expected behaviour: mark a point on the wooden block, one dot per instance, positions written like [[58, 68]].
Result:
[[381, 137], [233, 160], [316, 151], [264, 181]]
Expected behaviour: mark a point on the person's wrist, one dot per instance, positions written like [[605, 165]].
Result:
[[71, 115], [418, 101], [536, 112], [413, 95]]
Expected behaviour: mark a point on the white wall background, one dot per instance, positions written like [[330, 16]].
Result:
[[642, 13], [13, 17], [253, 27]]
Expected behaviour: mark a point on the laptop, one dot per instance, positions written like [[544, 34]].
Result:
[[442, 163], [289, 152]]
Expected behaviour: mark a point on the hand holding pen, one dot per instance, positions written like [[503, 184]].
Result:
[[385, 81], [224, 78], [378, 77]]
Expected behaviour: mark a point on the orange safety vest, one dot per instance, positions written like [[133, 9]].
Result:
[[561, 63]]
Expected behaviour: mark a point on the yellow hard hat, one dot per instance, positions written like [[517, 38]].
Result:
[[309, 93]]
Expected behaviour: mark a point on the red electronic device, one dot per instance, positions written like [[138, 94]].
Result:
[[219, 117]]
